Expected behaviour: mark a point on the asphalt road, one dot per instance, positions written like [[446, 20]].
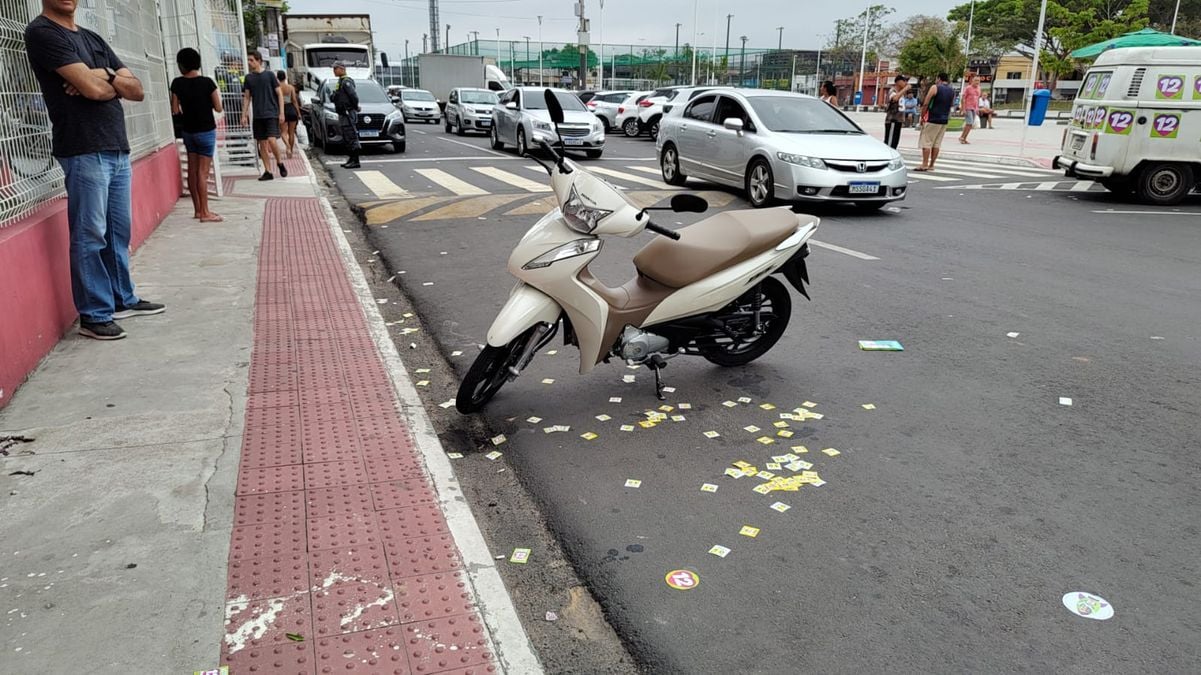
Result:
[[959, 510]]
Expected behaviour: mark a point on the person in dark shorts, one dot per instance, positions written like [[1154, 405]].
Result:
[[937, 105], [261, 95], [195, 98], [82, 83], [291, 112], [346, 104]]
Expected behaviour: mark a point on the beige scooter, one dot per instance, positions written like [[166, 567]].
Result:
[[705, 290]]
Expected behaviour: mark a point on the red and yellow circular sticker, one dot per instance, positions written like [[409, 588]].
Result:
[[682, 580]]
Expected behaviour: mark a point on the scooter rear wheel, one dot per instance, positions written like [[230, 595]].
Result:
[[488, 374], [775, 308]]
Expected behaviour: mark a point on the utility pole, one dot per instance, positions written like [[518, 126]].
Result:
[[867, 24], [1038, 47], [601, 46], [792, 78], [527, 57], [425, 43], [694, 8], [435, 22], [540, 50], [403, 79], [818, 82], [1175, 15], [727, 73], [780, 39], [675, 58], [582, 41], [500, 63], [742, 63], [446, 47]]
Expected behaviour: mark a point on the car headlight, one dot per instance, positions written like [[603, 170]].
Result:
[[542, 126], [801, 160], [596, 126], [579, 216], [407, 108], [395, 114], [331, 116], [895, 163], [571, 249]]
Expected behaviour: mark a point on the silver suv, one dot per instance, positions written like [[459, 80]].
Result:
[[469, 110]]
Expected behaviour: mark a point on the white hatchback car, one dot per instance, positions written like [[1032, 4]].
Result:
[[521, 119], [604, 105], [779, 145], [661, 102], [627, 113]]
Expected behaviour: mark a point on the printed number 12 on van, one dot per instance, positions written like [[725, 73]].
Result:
[[1165, 125], [1170, 87]]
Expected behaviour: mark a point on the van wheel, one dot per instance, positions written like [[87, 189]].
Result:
[[760, 184], [1164, 184]]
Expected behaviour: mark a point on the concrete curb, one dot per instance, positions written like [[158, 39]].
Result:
[[514, 653]]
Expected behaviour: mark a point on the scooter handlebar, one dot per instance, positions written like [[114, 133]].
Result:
[[670, 234]]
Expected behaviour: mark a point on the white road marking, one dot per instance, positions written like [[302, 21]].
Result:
[[939, 170], [997, 168], [1082, 186], [645, 169], [845, 251], [395, 160], [925, 175], [459, 187], [621, 175], [381, 185], [1045, 187], [473, 147], [1112, 212], [511, 178]]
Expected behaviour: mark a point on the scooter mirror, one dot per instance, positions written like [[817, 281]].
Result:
[[555, 108], [685, 203]]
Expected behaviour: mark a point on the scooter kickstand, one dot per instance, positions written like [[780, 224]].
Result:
[[657, 365]]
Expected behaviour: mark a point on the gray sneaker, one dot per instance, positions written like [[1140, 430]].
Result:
[[143, 308], [108, 330]]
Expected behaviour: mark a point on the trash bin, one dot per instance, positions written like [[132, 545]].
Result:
[[858, 97], [1038, 106]]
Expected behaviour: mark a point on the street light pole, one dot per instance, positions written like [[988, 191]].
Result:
[[675, 57], [446, 48], [694, 8], [780, 39], [406, 64], [500, 63], [817, 83], [867, 22], [1175, 15], [967, 49], [1038, 47], [475, 41], [728, 17], [742, 63], [601, 46], [540, 50]]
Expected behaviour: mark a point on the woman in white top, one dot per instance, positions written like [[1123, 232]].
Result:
[[829, 93]]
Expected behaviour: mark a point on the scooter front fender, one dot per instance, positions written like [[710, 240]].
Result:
[[526, 307]]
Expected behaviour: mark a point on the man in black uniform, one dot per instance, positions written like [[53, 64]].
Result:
[[346, 104]]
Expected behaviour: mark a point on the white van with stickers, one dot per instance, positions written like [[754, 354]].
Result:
[[1136, 124]]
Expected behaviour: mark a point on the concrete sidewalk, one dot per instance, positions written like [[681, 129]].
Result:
[[1001, 144], [128, 468]]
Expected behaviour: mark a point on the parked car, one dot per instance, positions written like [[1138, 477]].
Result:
[[419, 105], [521, 119], [604, 106], [779, 145], [660, 102], [627, 113], [585, 96], [380, 123], [469, 110]]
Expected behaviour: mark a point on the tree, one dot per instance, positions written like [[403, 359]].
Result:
[[847, 43], [252, 19], [1070, 24], [932, 46]]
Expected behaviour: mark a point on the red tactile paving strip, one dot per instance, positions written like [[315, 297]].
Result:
[[338, 537]]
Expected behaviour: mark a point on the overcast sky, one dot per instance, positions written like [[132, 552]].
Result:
[[638, 22]]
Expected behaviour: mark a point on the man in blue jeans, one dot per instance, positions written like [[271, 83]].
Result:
[[82, 81]]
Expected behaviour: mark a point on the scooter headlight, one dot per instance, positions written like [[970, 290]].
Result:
[[581, 217], [571, 249]]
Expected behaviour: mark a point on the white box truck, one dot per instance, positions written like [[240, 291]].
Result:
[[439, 73], [314, 42]]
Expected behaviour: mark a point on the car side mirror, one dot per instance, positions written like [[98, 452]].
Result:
[[511, 105], [733, 124]]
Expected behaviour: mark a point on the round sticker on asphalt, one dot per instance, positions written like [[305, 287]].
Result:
[[682, 580], [1088, 606]]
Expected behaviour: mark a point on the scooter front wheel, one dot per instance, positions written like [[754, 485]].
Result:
[[488, 374]]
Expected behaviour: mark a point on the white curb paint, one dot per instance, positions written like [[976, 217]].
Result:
[[514, 653]]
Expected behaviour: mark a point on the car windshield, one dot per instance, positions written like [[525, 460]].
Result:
[[328, 56], [480, 97], [415, 95], [534, 100], [369, 91], [787, 114]]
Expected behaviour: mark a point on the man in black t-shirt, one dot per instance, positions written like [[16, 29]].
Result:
[[262, 96], [82, 82]]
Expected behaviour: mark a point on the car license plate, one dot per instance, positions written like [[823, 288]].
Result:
[[485, 123], [368, 134], [863, 188], [573, 141], [1077, 142]]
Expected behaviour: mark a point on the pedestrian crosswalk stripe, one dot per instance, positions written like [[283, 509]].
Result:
[[381, 185], [536, 207], [923, 175], [1083, 186], [455, 185], [472, 207], [971, 174], [511, 178], [646, 169], [995, 168], [399, 209], [629, 177], [1048, 186]]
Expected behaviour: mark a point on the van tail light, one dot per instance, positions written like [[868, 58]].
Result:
[[1092, 154], [621, 109], [645, 104]]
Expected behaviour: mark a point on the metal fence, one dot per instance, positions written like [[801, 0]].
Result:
[[135, 29]]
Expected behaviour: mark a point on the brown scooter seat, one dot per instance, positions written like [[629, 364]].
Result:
[[713, 244]]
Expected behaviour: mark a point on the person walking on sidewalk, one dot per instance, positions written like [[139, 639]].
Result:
[[291, 111], [195, 98], [970, 104], [261, 94], [83, 82], [346, 104], [937, 110], [894, 114]]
